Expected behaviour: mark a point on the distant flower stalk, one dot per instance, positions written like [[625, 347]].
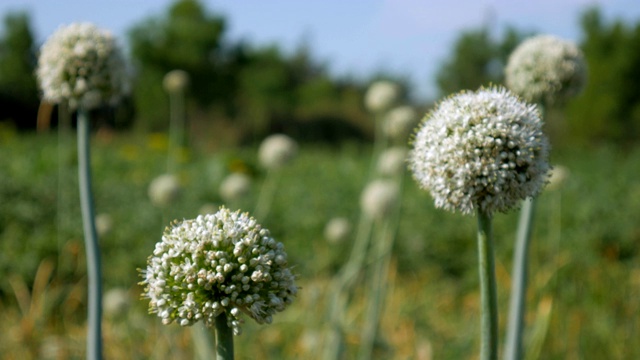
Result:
[[276, 151], [392, 161], [399, 121], [381, 95], [337, 229], [379, 198], [164, 190], [235, 186], [546, 69], [175, 81]]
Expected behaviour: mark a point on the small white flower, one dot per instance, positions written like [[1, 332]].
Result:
[[379, 198], [116, 302], [222, 262], [559, 175], [337, 229], [276, 151], [546, 68], [399, 122], [83, 65], [208, 208], [392, 161], [164, 190], [381, 95], [175, 81], [235, 186], [481, 150], [104, 224]]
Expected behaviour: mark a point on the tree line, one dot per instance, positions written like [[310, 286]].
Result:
[[256, 89]]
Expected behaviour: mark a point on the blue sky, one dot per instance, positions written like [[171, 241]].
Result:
[[357, 37]]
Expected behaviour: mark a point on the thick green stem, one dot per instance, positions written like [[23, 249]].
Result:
[[94, 331], [224, 338], [488, 293], [515, 325]]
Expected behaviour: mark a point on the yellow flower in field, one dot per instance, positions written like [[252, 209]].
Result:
[[158, 141], [129, 152]]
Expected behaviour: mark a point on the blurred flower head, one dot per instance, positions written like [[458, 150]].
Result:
[[379, 198], [116, 302], [381, 95], [559, 175], [207, 208], [164, 190], [104, 224], [175, 81], [392, 161], [399, 122], [235, 186], [222, 262], [546, 68], [481, 150], [83, 65], [276, 151], [337, 230]]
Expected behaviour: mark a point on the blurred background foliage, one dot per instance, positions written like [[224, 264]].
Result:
[[249, 90]]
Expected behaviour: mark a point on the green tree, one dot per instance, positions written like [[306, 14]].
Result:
[[18, 88], [186, 38], [476, 60], [609, 108]]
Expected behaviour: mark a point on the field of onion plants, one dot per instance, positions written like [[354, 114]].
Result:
[[584, 273]]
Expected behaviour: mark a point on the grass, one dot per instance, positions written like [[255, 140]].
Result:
[[585, 264]]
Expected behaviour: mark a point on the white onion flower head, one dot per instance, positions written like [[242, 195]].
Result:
[[399, 122], [545, 68], [381, 95], [175, 81], [559, 175], [481, 150], [164, 190], [277, 150], [379, 198], [337, 230], [215, 263], [392, 161], [82, 64], [235, 186]]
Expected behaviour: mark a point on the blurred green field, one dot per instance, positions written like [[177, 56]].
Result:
[[585, 264]]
